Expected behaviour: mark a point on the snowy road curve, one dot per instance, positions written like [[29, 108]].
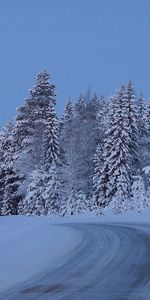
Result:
[[112, 262]]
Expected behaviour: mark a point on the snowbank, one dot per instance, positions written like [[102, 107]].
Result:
[[109, 217], [30, 246]]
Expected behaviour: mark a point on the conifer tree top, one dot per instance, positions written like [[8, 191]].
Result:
[[43, 86]]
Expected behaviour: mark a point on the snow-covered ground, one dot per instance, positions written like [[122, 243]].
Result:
[[29, 246], [109, 217]]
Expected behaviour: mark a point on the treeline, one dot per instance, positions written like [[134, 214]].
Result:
[[96, 156]]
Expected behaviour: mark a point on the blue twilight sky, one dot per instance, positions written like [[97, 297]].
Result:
[[96, 44]]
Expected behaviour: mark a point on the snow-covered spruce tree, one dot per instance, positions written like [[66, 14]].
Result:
[[33, 111], [67, 116], [144, 140], [101, 121], [50, 146], [42, 142], [30, 124], [101, 175], [51, 160], [11, 197], [102, 116], [98, 156], [11, 179], [148, 115], [132, 110], [30, 121], [42, 195], [146, 179], [120, 154], [75, 203], [80, 108], [139, 202], [69, 112], [68, 156], [51, 190], [68, 205], [34, 204], [98, 163], [81, 204], [114, 180], [144, 148]]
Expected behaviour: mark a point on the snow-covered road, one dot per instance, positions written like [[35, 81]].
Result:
[[111, 262]]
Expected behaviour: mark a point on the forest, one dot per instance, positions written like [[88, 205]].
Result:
[[95, 156]]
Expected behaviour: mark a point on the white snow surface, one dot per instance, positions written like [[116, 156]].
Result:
[[31, 245], [146, 170], [109, 217]]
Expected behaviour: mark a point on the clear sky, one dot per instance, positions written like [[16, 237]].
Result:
[[96, 44]]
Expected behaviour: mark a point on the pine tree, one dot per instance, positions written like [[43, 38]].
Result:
[[10, 177], [131, 107], [50, 194], [148, 116], [31, 118], [69, 112], [50, 161], [37, 128], [144, 142], [101, 176], [74, 203], [68, 204], [81, 203], [33, 203], [139, 196], [67, 167], [98, 163], [115, 175], [11, 196], [131, 144], [80, 108], [102, 116], [98, 156], [50, 138]]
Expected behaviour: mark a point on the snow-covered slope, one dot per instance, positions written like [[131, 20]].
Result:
[[31, 245], [75, 259]]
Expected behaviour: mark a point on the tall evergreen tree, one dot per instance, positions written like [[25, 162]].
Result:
[[144, 142], [131, 107], [30, 122], [68, 158], [98, 163], [33, 203], [114, 180], [11, 196], [98, 156], [40, 143], [10, 177], [50, 145], [51, 191], [101, 176]]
